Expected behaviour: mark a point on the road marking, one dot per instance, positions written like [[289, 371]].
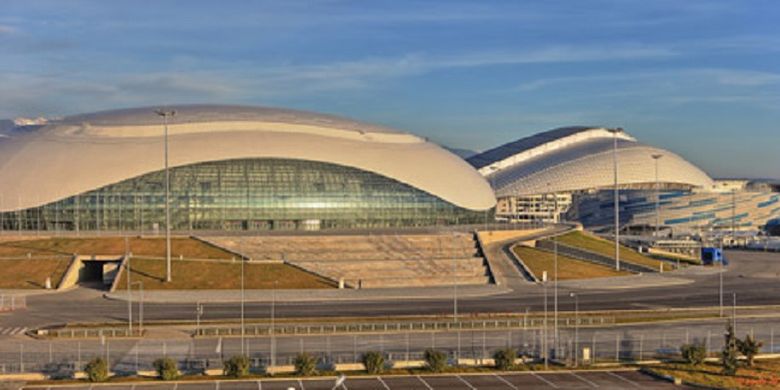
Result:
[[175, 385], [588, 381], [300, 383], [259, 385], [424, 382], [544, 380], [379, 378], [466, 383], [624, 379], [508, 383], [132, 387], [216, 385]]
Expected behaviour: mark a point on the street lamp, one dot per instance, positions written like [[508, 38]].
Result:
[[616, 194], [492, 183], [657, 157], [544, 341], [576, 327], [167, 114], [140, 284]]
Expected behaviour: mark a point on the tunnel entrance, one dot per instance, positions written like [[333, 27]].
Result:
[[98, 274]]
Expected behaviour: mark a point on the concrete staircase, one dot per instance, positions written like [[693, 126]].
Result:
[[372, 261]]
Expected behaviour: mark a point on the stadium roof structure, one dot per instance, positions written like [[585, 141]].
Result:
[[69, 156], [580, 158]]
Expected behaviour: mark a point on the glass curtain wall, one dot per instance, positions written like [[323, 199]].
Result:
[[246, 194]]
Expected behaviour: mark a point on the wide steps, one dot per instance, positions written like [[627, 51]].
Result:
[[372, 260]]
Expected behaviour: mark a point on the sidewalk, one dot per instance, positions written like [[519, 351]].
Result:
[[627, 282], [379, 294]]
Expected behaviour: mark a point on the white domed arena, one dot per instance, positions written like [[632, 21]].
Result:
[[231, 168], [570, 171]]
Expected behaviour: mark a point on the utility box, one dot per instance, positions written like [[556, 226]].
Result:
[[586, 358], [713, 256]]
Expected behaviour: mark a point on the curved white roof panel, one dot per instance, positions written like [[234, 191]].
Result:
[[85, 152], [580, 160]]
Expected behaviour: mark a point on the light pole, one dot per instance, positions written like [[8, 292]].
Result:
[[733, 217], [493, 170], [129, 290], [167, 114], [657, 157], [273, 323], [576, 327], [544, 342], [555, 277], [454, 284], [198, 315], [243, 328], [140, 284], [616, 194]]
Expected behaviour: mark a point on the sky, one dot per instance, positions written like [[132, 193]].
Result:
[[701, 78]]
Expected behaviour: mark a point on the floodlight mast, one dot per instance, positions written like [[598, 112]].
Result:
[[657, 157], [165, 114], [616, 194]]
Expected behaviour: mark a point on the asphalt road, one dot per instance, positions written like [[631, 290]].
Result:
[[752, 275], [508, 381]]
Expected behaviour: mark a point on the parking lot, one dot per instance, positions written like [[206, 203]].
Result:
[[558, 380]]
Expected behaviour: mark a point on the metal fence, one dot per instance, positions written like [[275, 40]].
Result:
[[62, 357]]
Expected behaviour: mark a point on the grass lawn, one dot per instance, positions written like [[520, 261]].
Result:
[[32, 273], [599, 245], [204, 275], [765, 375], [568, 268], [153, 247]]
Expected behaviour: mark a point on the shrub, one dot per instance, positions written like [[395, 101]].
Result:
[[435, 361], [730, 353], [166, 368], [505, 358], [96, 370], [374, 362], [694, 354], [749, 347], [305, 364], [236, 367]]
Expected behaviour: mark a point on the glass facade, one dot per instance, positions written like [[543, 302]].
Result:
[[246, 194]]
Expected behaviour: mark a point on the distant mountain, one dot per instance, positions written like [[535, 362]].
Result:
[[462, 153]]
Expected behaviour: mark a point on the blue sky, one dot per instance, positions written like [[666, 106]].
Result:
[[701, 78]]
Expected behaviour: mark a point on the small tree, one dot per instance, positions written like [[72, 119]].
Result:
[[305, 364], [96, 370], [694, 354], [730, 353], [166, 368], [505, 358], [435, 361], [750, 347], [236, 367], [374, 362]]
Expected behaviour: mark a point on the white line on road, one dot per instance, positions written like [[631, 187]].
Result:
[[588, 381], [379, 378], [175, 385], [505, 381], [424, 382], [624, 379], [259, 385], [300, 383], [544, 380], [466, 383], [216, 385]]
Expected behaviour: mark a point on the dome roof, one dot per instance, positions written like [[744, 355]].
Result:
[[566, 161], [80, 153]]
